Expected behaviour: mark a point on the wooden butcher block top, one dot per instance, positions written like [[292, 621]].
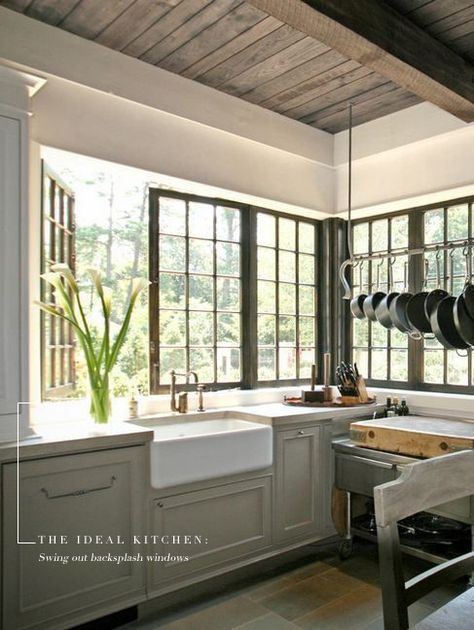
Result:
[[414, 435]]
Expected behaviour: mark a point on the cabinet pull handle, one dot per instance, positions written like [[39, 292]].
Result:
[[78, 493], [160, 504], [301, 432]]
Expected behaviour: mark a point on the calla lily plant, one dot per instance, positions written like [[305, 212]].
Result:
[[100, 352]]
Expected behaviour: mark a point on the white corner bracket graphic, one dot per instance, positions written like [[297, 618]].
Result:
[[18, 541]]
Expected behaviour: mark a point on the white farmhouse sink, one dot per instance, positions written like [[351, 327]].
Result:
[[193, 451]]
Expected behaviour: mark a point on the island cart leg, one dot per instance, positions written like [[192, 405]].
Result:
[[341, 516]]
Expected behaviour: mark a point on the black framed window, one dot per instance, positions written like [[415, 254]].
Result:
[[389, 357], [196, 315], [233, 294], [447, 270], [286, 297], [58, 371]]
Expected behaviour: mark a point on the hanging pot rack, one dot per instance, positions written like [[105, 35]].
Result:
[[356, 260]]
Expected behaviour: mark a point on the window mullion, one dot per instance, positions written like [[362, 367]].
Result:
[[249, 337]]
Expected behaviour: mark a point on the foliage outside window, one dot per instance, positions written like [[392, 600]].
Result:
[[286, 268], [111, 208], [388, 356]]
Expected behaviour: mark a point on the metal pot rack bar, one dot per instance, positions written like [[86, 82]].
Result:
[[356, 260]]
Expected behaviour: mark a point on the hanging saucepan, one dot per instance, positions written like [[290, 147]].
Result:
[[442, 319], [415, 308], [437, 294], [373, 300], [382, 311], [357, 302], [397, 309], [463, 321], [468, 292]]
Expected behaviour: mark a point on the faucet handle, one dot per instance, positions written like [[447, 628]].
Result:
[[200, 387]]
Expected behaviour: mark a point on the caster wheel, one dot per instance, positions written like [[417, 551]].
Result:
[[345, 549]]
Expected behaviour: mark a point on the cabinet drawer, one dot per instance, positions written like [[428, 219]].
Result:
[[361, 475], [85, 495], [230, 520]]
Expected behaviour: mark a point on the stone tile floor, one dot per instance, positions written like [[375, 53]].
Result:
[[318, 591]]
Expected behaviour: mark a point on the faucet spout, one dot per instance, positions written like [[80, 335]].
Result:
[[174, 374]]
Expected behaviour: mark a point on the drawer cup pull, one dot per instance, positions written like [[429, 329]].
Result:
[[78, 493]]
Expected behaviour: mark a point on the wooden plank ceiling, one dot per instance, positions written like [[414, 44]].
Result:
[[233, 46]]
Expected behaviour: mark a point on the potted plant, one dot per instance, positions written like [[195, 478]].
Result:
[[100, 351]]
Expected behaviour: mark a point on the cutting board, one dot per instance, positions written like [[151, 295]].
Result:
[[414, 435]]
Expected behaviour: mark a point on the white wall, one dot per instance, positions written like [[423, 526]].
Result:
[[133, 113], [418, 156]]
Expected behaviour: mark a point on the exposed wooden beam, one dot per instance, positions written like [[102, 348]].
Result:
[[375, 35]]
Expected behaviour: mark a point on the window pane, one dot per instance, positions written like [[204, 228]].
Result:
[[266, 297], [399, 227], [201, 328], [287, 299], [307, 335], [306, 269], [228, 294], [227, 224], [228, 365], [306, 300], [457, 368], [266, 263], [287, 234], [287, 331], [361, 359], [287, 266], [201, 220], [201, 360], [201, 256], [458, 222], [379, 335], [287, 363], [171, 359], [228, 259], [266, 330], [228, 329], [201, 293], [434, 226], [380, 235], [360, 332], [172, 216], [172, 290], [306, 238], [379, 364], [399, 365], [266, 229], [266, 364], [307, 358], [361, 238], [172, 253], [434, 369], [172, 328]]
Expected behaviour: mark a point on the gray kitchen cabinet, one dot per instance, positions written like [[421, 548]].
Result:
[[99, 493], [299, 483], [229, 521]]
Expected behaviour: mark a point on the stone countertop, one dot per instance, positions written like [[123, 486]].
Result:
[[72, 437], [276, 414]]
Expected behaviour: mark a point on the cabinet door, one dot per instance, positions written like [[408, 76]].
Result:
[[229, 521], [298, 501], [86, 495]]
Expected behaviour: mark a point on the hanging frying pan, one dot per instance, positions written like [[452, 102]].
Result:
[[398, 305], [382, 311], [463, 321], [415, 308], [442, 320], [437, 294], [357, 302], [373, 300]]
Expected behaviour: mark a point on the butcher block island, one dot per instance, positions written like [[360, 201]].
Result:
[[414, 435]]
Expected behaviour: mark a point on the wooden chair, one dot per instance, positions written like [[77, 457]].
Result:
[[422, 485]]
